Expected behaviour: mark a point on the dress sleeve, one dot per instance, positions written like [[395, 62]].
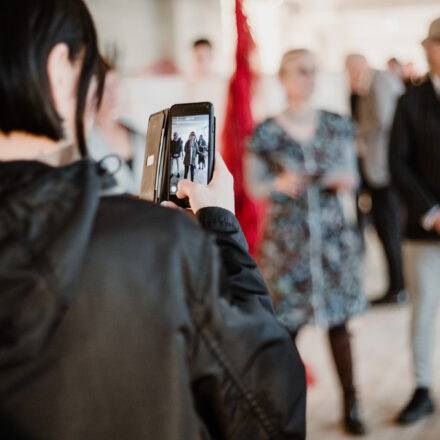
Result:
[[259, 179], [349, 147], [347, 159]]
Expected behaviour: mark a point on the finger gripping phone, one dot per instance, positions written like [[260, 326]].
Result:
[[180, 145]]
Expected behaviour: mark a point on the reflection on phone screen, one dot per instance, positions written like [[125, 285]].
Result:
[[189, 150]]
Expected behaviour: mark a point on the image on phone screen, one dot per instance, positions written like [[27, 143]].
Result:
[[189, 150]]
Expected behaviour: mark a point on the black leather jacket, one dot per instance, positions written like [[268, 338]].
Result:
[[120, 319]]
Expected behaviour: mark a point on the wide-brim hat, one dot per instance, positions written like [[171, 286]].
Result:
[[434, 32]]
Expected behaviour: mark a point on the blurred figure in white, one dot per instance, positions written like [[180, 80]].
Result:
[[203, 58], [378, 92], [112, 136]]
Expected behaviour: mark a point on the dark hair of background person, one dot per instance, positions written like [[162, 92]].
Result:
[[29, 29], [393, 60], [202, 42]]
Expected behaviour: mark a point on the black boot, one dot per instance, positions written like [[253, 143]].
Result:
[[392, 297], [421, 405], [352, 418]]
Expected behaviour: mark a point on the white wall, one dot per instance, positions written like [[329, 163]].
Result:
[[133, 25], [148, 30]]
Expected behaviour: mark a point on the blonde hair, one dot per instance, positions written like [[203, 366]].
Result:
[[289, 56]]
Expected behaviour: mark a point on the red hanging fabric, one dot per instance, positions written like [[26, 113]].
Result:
[[239, 125]]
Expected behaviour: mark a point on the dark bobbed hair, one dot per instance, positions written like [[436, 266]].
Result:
[[202, 42], [29, 29]]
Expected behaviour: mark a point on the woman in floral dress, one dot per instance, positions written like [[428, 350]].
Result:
[[303, 161]]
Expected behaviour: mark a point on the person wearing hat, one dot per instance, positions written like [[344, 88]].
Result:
[[415, 163], [189, 159]]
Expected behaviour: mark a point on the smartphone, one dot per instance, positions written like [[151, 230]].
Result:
[[190, 146], [152, 187]]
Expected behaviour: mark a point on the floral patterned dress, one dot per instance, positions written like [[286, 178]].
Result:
[[311, 253]]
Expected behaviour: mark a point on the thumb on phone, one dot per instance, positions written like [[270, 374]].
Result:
[[219, 192], [185, 188]]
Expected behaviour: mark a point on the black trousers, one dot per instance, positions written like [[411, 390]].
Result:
[[387, 217], [187, 167]]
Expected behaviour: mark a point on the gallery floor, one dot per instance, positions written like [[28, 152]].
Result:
[[383, 369]]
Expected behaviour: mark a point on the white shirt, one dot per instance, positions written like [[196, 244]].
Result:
[[436, 83]]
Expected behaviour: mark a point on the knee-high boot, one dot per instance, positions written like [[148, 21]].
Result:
[[340, 345]]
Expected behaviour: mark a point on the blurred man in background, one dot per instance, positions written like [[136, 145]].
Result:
[[415, 164], [404, 72], [377, 94], [395, 67]]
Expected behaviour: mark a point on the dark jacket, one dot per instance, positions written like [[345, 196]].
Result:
[[190, 153], [415, 155], [120, 319], [176, 147]]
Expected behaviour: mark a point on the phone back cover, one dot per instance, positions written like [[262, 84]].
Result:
[[153, 151]]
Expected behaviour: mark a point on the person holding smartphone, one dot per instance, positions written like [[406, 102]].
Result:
[[120, 319]]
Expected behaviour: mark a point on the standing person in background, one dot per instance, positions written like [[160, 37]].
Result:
[[189, 160], [395, 67], [203, 58], [202, 152], [354, 72], [378, 94], [415, 165], [303, 160], [176, 151], [112, 136], [404, 72]]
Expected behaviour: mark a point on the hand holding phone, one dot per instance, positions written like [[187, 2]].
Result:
[[290, 183], [180, 146], [219, 193]]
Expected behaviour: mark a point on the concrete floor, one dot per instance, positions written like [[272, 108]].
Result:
[[383, 368]]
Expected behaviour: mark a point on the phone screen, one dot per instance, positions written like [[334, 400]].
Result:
[[189, 149]]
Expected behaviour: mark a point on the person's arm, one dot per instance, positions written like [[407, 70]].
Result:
[[248, 378], [417, 196], [259, 181]]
